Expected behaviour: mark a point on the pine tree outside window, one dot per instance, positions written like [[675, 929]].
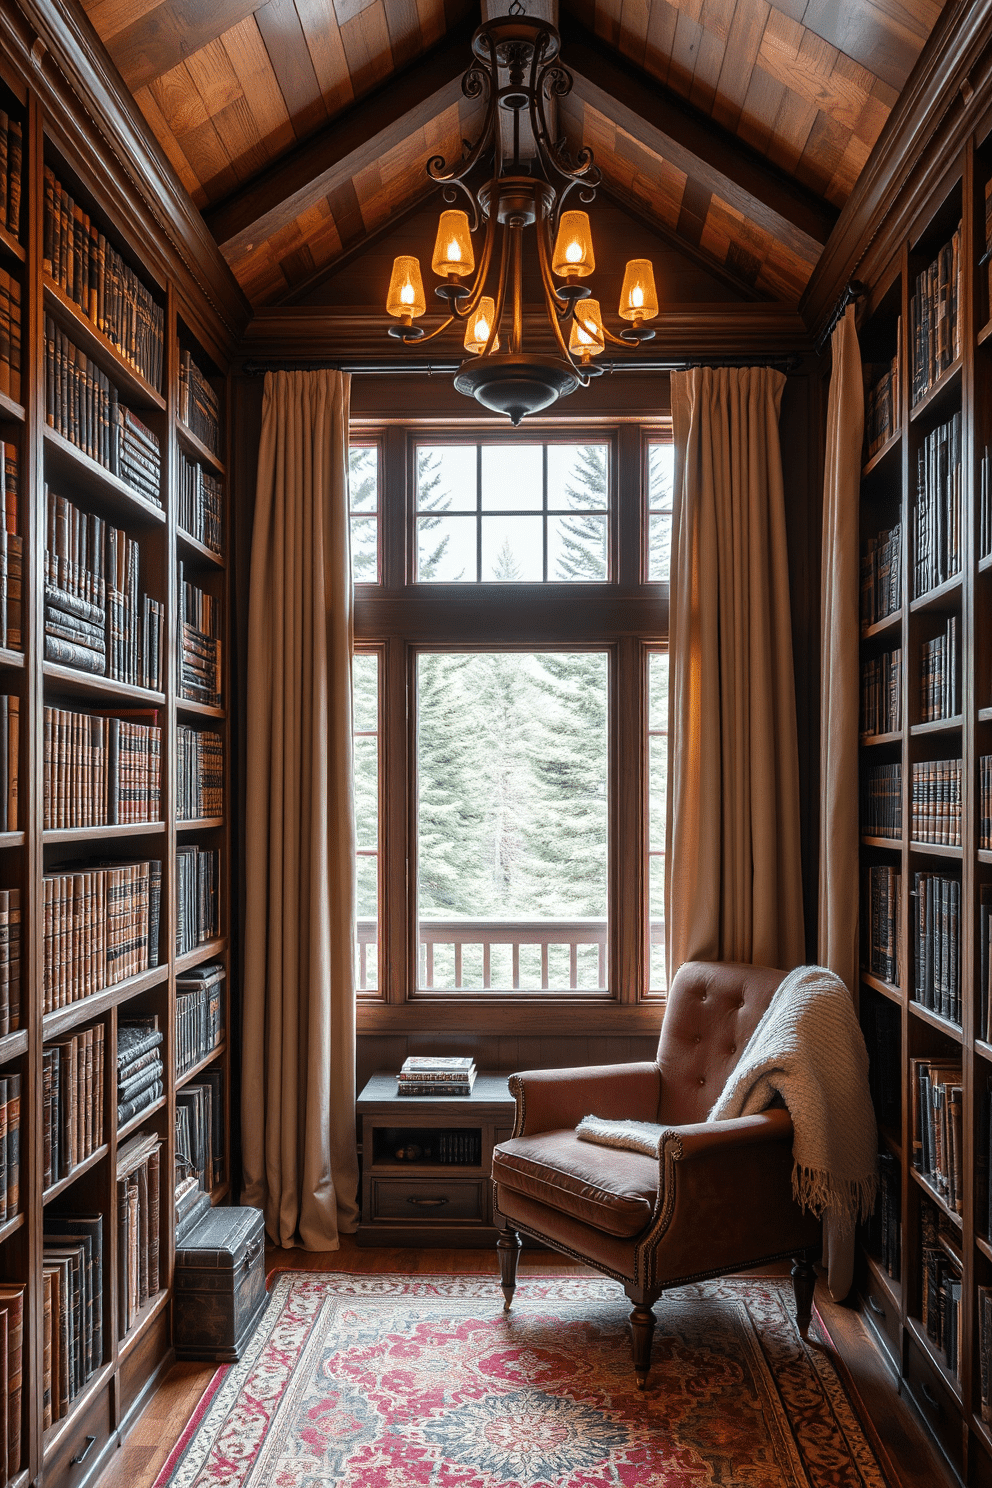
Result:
[[510, 626]]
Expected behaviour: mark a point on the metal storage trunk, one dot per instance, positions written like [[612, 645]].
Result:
[[219, 1288]]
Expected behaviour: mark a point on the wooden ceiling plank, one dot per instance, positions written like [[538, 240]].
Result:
[[743, 45], [885, 39], [347, 213], [177, 98], [660, 39], [323, 39], [177, 159], [806, 64], [250, 61], [238, 132], [709, 61], [793, 122], [699, 148], [761, 105], [851, 165], [403, 26], [432, 26], [213, 77], [607, 22], [635, 16], [367, 130], [874, 114], [365, 39], [209, 158], [157, 41], [823, 152], [692, 216], [685, 46], [282, 35], [107, 17]]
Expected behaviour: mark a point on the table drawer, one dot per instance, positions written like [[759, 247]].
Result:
[[438, 1198]]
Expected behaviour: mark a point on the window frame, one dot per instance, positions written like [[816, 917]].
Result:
[[625, 616]]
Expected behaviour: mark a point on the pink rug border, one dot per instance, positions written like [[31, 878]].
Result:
[[202, 1407]]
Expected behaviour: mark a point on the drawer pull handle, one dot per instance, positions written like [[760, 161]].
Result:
[[428, 1203], [81, 1456], [929, 1396], [876, 1307]]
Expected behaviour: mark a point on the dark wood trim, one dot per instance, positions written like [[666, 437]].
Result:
[[510, 1016], [690, 141], [365, 132]]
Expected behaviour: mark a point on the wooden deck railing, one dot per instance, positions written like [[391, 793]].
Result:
[[462, 932]]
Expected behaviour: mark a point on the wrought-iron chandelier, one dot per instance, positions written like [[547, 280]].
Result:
[[518, 76]]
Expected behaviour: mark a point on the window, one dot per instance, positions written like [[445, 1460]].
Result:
[[511, 715]]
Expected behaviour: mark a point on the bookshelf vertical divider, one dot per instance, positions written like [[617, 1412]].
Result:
[[76, 1446]]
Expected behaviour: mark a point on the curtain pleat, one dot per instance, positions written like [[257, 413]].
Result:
[[298, 1054], [839, 666], [733, 882]]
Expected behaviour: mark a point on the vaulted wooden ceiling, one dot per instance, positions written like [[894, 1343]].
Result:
[[302, 128]]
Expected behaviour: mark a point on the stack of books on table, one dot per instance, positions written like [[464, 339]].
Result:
[[430, 1075]]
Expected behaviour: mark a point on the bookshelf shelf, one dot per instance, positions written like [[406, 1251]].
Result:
[[92, 1007], [101, 834], [881, 455], [11, 839], [936, 1198], [146, 1315], [198, 449], [985, 715], [11, 1226], [13, 659], [884, 842], [13, 1045], [894, 994], [984, 333], [984, 855], [9, 409], [192, 545], [199, 710], [199, 823], [133, 388], [921, 1337], [10, 245], [871, 741], [887, 1283], [210, 950], [937, 726], [81, 684], [882, 627], [86, 1166], [946, 386], [139, 1119], [65, 462], [935, 850], [935, 598], [952, 1030], [204, 1063], [983, 1245]]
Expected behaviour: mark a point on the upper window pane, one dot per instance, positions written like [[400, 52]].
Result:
[[661, 480], [513, 513], [512, 820], [363, 487]]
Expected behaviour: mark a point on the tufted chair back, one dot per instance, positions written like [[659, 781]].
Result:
[[712, 1010]]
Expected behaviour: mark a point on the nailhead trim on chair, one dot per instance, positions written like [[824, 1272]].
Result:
[[520, 1118]]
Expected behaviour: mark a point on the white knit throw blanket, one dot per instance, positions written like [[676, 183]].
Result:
[[808, 1049]]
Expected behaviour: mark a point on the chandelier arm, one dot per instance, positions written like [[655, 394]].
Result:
[[549, 294], [616, 340], [501, 291], [482, 273], [436, 165], [430, 336]]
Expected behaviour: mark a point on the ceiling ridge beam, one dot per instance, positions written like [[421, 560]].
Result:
[[704, 151], [296, 180]]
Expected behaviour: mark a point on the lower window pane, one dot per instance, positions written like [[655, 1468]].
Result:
[[367, 909], [512, 820]]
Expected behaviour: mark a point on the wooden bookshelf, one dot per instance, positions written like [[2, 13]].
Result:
[[915, 1031], [111, 1397]]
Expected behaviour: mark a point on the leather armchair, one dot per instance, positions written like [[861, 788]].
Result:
[[718, 1197]]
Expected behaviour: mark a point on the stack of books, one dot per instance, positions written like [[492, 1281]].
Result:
[[881, 588], [197, 918], [939, 675], [140, 1070], [72, 1329], [882, 399], [10, 960], [937, 529], [138, 1163], [199, 1014], [199, 503], [10, 1146], [936, 802], [199, 406], [199, 644], [10, 336], [937, 952], [935, 329], [101, 926], [199, 1149], [431, 1074], [72, 1101], [139, 456], [11, 1359], [101, 770], [11, 155], [199, 773], [941, 1284], [11, 551]]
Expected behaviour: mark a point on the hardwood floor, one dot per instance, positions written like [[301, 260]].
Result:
[[906, 1454]]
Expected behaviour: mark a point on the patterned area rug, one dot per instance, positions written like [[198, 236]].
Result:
[[424, 1382]]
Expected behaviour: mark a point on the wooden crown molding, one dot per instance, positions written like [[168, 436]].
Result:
[[944, 99], [52, 45]]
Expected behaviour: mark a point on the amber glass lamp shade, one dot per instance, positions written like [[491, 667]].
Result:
[[639, 298], [453, 246], [480, 324], [587, 338], [573, 253], [406, 288]]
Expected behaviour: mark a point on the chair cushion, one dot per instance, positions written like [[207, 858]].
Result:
[[608, 1188]]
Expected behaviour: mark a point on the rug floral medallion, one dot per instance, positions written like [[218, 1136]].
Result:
[[424, 1382]]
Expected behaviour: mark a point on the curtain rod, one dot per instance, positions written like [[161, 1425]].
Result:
[[853, 291], [253, 368]]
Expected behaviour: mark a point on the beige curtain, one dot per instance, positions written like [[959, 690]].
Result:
[[298, 1071], [733, 889], [839, 610]]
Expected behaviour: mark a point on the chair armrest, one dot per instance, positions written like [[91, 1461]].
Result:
[[553, 1100], [705, 1139]]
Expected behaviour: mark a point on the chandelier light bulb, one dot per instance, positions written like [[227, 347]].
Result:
[[587, 337], [639, 298], [453, 246], [405, 299], [479, 326], [573, 255]]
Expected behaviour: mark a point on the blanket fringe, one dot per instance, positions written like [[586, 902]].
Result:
[[816, 1190]]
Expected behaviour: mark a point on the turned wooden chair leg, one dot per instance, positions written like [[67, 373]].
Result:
[[508, 1250], [642, 1321], [803, 1284]]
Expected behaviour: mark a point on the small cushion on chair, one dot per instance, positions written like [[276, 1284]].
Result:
[[612, 1190]]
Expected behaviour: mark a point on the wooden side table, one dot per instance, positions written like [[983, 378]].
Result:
[[427, 1161]]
